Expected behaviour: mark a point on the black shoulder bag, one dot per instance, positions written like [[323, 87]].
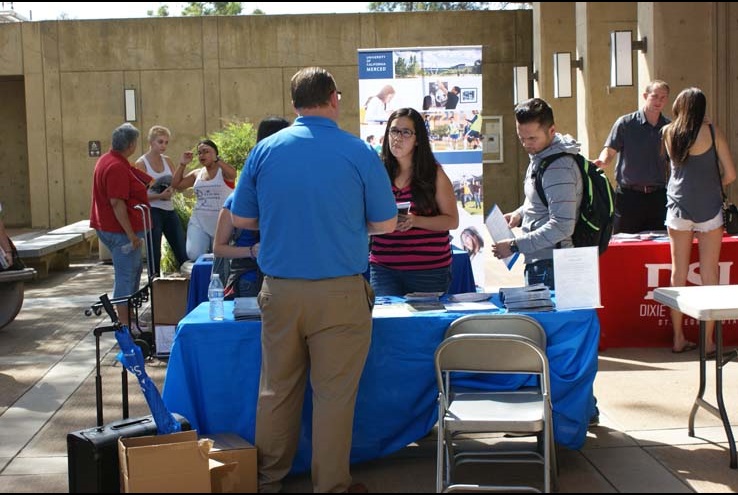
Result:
[[730, 212]]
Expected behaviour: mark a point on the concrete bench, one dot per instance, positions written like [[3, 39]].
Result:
[[47, 251], [11, 293], [89, 244]]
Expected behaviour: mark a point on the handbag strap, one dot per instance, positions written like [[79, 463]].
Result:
[[717, 164]]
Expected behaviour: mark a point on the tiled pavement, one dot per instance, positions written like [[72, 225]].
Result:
[[47, 390]]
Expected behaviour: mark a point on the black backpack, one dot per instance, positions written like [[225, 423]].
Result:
[[596, 211]]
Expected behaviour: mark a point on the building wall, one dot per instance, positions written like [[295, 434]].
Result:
[[196, 74]]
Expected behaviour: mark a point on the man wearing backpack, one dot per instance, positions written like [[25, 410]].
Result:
[[642, 169], [549, 223], [545, 228]]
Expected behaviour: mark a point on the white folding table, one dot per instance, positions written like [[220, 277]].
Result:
[[706, 303]]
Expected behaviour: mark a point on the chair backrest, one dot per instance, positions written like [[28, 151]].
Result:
[[505, 323], [491, 353]]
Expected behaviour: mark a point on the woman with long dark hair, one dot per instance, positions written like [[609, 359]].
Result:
[[416, 257], [701, 165], [472, 241]]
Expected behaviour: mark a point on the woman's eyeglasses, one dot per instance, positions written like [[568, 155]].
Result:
[[396, 132]]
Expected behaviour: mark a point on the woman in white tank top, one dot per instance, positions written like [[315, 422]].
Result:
[[212, 184], [164, 219]]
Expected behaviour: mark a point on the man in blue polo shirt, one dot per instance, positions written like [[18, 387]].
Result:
[[643, 168], [315, 192]]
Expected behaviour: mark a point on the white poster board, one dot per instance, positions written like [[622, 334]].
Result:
[[577, 277]]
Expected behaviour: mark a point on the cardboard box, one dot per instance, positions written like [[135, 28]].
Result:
[[231, 448], [169, 299], [224, 477], [174, 463]]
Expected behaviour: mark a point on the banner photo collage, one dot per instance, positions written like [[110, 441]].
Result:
[[445, 85]]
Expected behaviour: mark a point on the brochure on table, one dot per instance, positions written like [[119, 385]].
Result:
[[577, 278]]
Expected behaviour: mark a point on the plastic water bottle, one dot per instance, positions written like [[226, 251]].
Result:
[[215, 295]]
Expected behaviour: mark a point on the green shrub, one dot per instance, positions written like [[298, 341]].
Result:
[[234, 143]]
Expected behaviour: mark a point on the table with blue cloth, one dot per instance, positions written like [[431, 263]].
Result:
[[213, 378], [462, 278]]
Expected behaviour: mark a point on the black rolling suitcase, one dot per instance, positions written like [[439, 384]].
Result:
[[92, 453]]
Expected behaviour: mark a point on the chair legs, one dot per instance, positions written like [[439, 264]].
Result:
[[448, 460], [440, 455]]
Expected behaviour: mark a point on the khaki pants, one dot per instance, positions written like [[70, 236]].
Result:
[[323, 326]]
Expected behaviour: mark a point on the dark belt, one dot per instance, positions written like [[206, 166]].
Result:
[[642, 189]]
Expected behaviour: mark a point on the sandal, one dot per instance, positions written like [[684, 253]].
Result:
[[688, 346]]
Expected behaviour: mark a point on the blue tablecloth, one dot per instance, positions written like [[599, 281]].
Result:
[[462, 277], [213, 378]]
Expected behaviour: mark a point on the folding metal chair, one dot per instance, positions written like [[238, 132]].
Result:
[[470, 348], [508, 323]]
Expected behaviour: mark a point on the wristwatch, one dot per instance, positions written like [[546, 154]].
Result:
[[514, 246]]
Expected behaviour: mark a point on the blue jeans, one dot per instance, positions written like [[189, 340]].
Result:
[[540, 272], [127, 267], [389, 282], [249, 284], [167, 222]]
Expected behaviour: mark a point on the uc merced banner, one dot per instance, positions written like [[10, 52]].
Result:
[[445, 85]]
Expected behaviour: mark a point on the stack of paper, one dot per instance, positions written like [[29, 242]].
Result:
[[246, 308], [424, 301], [536, 297], [423, 296], [470, 297]]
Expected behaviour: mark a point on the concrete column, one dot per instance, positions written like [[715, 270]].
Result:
[[34, 92], [725, 100], [702, 38], [599, 104], [684, 32], [554, 30]]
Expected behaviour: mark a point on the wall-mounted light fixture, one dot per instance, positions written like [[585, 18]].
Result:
[[521, 83], [129, 103], [562, 75], [621, 57]]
